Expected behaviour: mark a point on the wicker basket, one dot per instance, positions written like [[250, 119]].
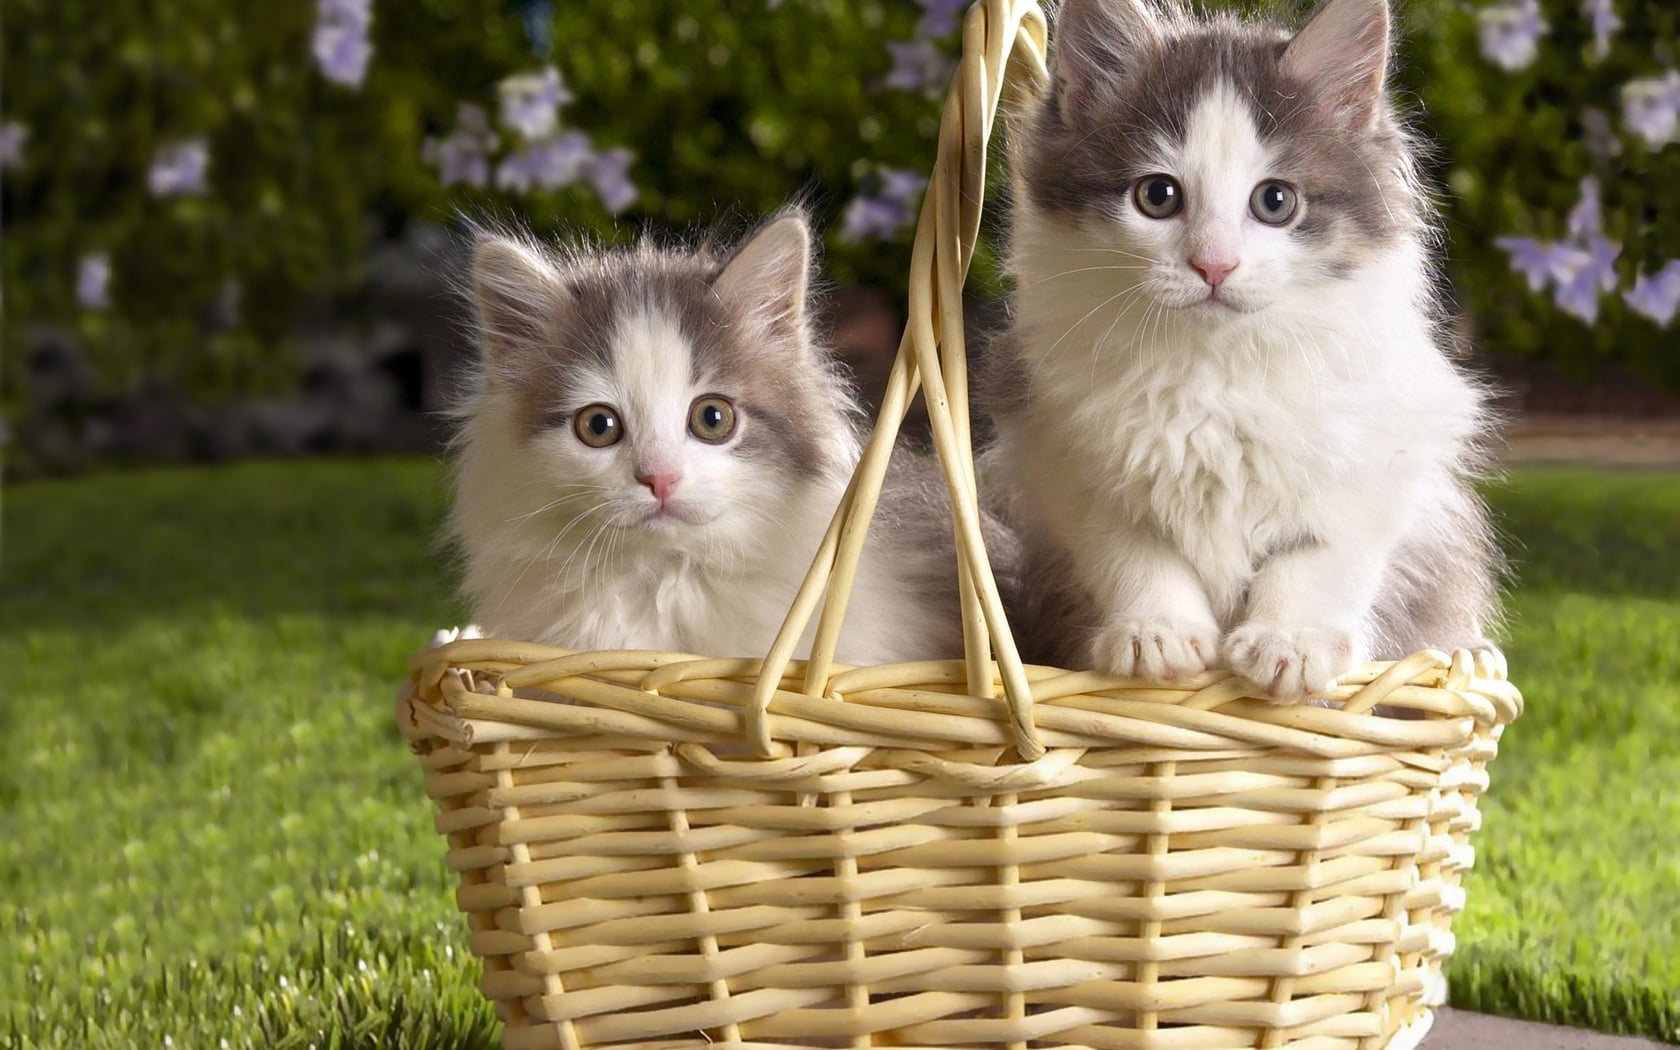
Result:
[[742, 853]]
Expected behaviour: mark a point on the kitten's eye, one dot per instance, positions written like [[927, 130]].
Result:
[[711, 418], [1273, 203], [598, 426], [1158, 196]]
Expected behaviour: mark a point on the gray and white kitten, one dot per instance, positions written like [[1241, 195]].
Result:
[[655, 446], [1226, 420]]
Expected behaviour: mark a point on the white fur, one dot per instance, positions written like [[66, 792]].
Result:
[[1170, 445], [560, 549]]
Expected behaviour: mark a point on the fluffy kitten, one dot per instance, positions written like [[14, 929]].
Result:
[[1230, 430], [654, 448]]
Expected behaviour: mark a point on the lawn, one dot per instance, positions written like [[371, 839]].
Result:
[[212, 835]]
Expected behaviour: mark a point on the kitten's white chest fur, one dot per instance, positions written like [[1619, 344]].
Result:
[[533, 579], [1189, 451], [667, 601]]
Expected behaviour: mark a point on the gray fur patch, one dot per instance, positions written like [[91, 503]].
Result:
[[1442, 586], [914, 514]]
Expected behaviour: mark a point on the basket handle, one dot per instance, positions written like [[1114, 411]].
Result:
[[1003, 49]]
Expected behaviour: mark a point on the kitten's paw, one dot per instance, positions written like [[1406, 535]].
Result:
[[1159, 650], [1290, 665], [1489, 660]]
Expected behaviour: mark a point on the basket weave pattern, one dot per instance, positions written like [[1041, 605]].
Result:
[[742, 853], [1182, 868]]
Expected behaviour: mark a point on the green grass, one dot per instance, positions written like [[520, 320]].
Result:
[[210, 830], [1574, 907]]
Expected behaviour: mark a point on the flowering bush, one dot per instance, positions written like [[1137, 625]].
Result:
[[179, 179], [182, 181], [1558, 123]]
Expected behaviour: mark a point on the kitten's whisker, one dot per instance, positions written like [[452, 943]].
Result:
[[1111, 251], [1154, 327], [552, 504], [1097, 345], [1088, 314], [553, 545], [617, 544], [585, 551], [1120, 313], [1086, 269]]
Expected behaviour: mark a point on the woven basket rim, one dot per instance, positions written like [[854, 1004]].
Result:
[[457, 692]]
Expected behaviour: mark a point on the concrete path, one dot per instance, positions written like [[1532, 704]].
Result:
[[1461, 1030], [1589, 440]]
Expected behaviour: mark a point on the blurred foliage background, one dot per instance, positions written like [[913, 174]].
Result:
[[1512, 146], [318, 147]]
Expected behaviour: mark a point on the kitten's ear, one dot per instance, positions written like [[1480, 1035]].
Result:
[[1096, 39], [515, 288], [768, 276], [1343, 50]]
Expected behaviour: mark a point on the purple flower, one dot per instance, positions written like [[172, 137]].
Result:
[[550, 164], [1657, 295], [882, 214], [1578, 294], [903, 186], [531, 102], [342, 54], [1605, 22], [516, 172], [918, 65], [93, 280], [12, 137], [1584, 217], [940, 17], [609, 172], [1601, 261], [1651, 109], [461, 156], [1538, 261], [456, 161], [1510, 33], [1586, 273], [340, 44], [1580, 268], [872, 218], [180, 168]]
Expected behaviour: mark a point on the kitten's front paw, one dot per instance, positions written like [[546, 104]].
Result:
[[1489, 660], [1159, 650], [1289, 665]]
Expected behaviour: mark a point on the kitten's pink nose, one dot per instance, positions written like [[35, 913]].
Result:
[[661, 484], [1212, 270]]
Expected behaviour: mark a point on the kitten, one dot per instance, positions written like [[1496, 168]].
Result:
[[1231, 432], [655, 446]]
